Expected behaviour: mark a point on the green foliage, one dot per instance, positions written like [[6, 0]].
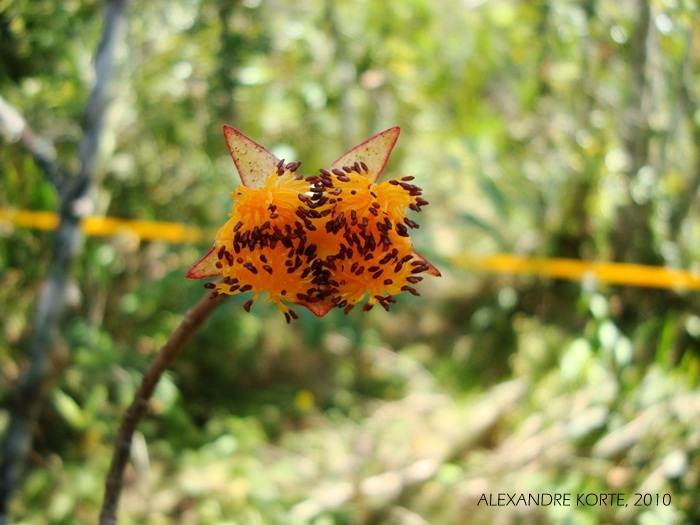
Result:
[[530, 132]]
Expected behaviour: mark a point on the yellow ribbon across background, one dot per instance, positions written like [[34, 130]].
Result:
[[172, 232], [574, 270], [571, 269]]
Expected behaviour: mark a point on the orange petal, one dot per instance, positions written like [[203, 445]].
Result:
[[253, 162], [205, 267], [432, 270], [374, 152]]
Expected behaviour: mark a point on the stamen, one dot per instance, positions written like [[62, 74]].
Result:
[[386, 258], [402, 230]]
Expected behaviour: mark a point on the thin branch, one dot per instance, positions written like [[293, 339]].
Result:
[[26, 400], [96, 111], [14, 128], [632, 237], [690, 105], [122, 444]]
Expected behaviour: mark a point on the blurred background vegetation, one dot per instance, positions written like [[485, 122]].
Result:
[[552, 129]]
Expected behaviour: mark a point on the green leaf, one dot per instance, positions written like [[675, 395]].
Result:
[[69, 410]]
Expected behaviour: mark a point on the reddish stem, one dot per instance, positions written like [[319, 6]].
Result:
[[122, 443]]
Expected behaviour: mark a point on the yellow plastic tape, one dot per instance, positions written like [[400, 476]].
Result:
[[172, 232], [572, 269]]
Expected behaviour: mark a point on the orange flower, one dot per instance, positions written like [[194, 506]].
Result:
[[324, 241]]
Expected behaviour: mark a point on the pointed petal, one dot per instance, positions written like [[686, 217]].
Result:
[[432, 270], [205, 267], [374, 152], [253, 162], [319, 309]]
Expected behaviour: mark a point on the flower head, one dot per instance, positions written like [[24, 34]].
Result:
[[328, 240]]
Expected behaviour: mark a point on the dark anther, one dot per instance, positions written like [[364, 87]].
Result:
[[386, 258]]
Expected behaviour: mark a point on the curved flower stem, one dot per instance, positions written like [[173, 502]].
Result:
[[166, 355]]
